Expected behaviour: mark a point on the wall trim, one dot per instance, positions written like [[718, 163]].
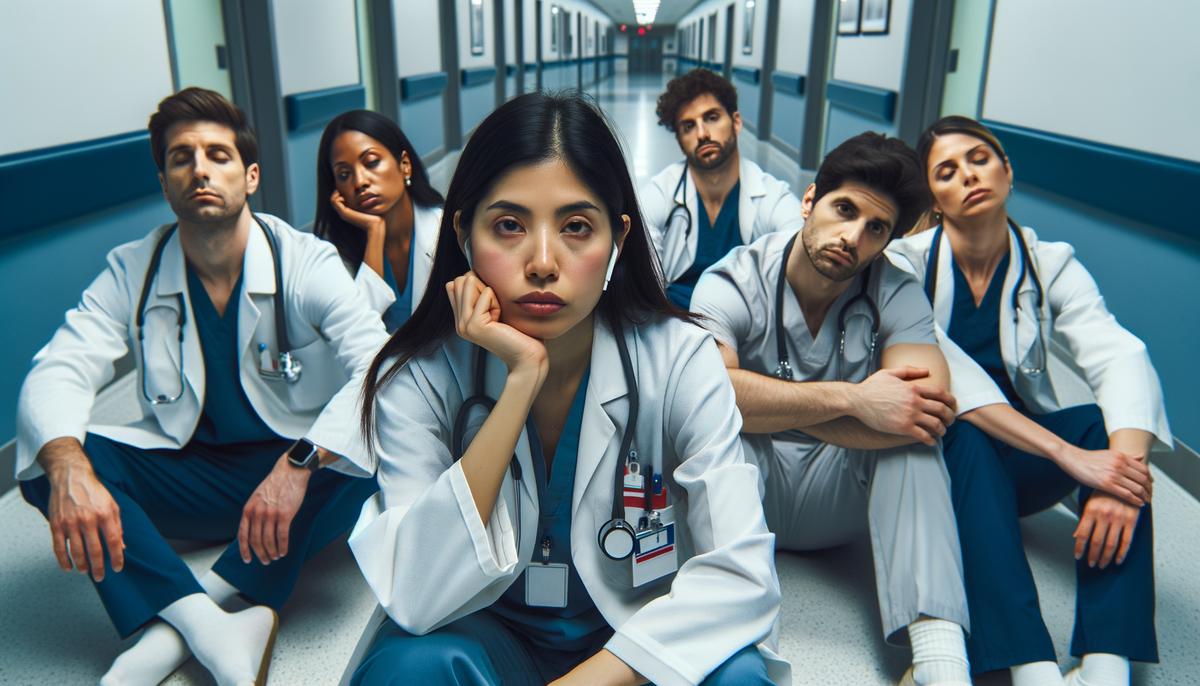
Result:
[[1130, 183], [747, 74], [510, 69], [876, 103], [474, 76], [421, 86], [314, 108], [784, 147], [788, 83], [530, 66], [124, 161]]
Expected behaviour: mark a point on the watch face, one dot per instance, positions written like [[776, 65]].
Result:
[[300, 452]]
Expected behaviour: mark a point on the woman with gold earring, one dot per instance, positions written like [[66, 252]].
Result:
[[374, 203]]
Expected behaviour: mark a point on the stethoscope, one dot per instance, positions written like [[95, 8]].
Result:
[[616, 536], [681, 204], [289, 368], [784, 370], [1037, 353]]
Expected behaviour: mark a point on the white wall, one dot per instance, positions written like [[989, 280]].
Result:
[[1126, 74], [462, 12], [700, 13], [510, 32], [418, 37], [64, 58], [529, 17], [198, 29], [875, 60], [795, 36], [316, 44]]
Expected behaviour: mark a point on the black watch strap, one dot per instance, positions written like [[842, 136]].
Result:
[[303, 455]]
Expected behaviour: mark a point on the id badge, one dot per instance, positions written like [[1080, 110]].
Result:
[[654, 554], [546, 584]]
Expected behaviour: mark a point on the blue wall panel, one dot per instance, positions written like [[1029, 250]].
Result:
[[1148, 278], [422, 123], [787, 120], [477, 103], [844, 123], [748, 94], [302, 174], [42, 275]]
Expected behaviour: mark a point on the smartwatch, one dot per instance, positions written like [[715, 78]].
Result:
[[303, 455]]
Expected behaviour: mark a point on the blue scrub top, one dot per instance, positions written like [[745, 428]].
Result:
[[575, 628], [712, 243], [398, 313], [227, 417], [977, 329]]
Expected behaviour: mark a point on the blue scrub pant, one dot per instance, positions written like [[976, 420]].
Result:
[[993, 485], [482, 650], [198, 493]]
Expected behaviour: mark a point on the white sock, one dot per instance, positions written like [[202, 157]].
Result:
[[939, 652], [1103, 669], [1044, 673], [161, 650], [231, 646]]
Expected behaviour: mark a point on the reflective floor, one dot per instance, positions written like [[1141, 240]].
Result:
[[53, 629]]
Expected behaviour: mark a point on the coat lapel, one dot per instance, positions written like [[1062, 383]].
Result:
[[597, 433]]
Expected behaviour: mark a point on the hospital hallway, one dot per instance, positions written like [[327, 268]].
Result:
[[76, 180]]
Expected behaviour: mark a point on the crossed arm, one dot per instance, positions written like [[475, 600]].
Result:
[[907, 401]]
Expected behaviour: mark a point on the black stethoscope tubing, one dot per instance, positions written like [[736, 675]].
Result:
[[681, 205], [784, 371], [617, 525], [290, 371]]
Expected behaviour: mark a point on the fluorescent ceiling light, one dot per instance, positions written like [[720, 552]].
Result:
[[646, 10]]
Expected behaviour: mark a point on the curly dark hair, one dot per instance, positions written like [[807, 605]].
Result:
[[683, 89]]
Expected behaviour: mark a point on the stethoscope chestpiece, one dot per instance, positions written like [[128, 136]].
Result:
[[616, 539]]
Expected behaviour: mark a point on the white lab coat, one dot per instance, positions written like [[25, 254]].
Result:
[[1097, 361], [333, 332], [430, 559], [427, 222], [765, 204]]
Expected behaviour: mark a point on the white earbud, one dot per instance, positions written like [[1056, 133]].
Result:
[[612, 264], [466, 248]]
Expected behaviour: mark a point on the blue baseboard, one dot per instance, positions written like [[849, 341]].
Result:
[[477, 75], [510, 69], [1139, 185], [423, 86], [873, 102], [530, 66], [314, 108], [42, 187], [787, 82], [747, 74]]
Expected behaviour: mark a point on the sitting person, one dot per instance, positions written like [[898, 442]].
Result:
[[375, 204], [1032, 429], [596, 523], [242, 329], [699, 209], [804, 319]]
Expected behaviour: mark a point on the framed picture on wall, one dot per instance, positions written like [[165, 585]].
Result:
[[848, 17], [476, 27], [748, 27], [875, 16]]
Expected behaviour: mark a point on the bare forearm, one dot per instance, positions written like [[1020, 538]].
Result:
[[1133, 442], [373, 254], [770, 405], [488, 456], [603, 668], [849, 432], [62, 455], [1004, 423]]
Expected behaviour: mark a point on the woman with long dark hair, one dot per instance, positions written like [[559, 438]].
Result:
[[1036, 429], [374, 203], [596, 522]]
